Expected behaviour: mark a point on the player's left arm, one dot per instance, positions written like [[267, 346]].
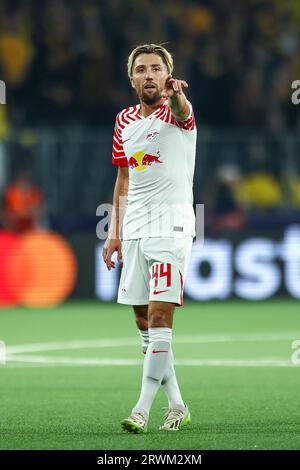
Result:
[[177, 100]]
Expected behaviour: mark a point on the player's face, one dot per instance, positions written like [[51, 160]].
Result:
[[148, 77]]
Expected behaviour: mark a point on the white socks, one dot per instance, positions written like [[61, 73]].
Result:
[[158, 369], [170, 385], [155, 365]]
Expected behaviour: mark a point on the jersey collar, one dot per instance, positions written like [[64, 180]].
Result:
[[154, 112]]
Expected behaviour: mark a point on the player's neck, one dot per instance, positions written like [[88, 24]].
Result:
[[147, 109]]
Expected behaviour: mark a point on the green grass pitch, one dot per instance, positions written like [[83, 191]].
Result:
[[234, 369]]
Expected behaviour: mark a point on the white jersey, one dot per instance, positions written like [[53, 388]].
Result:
[[160, 154]]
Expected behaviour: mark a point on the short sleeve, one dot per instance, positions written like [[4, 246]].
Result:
[[118, 154]]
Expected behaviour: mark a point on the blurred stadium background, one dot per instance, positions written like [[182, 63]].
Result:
[[64, 66]]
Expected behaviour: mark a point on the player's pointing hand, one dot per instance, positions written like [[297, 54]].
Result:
[[173, 87]]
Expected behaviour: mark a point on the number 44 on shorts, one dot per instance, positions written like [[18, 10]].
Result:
[[159, 272]]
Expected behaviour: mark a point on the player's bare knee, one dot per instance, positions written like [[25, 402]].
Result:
[[159, 319], [160, 314]]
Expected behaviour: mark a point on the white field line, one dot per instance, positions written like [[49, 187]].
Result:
[[70, 361], [68, 345], [134, 341], [16, 359]]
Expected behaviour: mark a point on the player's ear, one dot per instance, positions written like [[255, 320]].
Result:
[[132, 83]]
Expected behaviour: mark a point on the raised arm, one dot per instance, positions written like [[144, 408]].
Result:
[[177, 100]]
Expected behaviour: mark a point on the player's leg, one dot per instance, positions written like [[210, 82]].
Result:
[[160, 331], [167, 279], [158, 367], [165, 292], [161, 319], [169, 382], [160, 316], [160, 328]]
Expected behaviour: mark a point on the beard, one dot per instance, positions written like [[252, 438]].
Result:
[[151, 99]]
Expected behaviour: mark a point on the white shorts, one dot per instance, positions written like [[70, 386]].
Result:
[[154, 269]]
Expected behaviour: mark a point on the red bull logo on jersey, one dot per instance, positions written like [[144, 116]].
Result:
[[140, 160]]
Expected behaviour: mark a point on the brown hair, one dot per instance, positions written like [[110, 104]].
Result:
[[150, 49]]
